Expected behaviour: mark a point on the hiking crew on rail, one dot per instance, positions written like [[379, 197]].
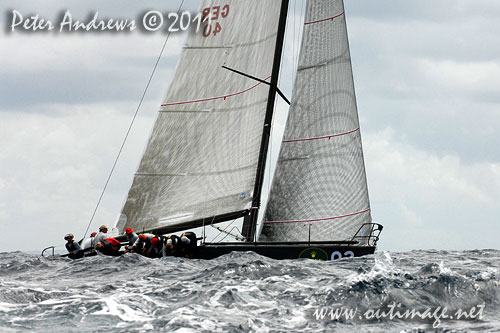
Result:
[[149, 245]]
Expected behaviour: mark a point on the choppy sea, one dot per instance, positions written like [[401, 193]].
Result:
[[418, 291]]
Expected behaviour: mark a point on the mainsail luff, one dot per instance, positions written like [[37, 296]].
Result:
[[200, 161], [319, 190]]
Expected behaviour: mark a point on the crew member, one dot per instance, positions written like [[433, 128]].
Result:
[[142, 244], [132, 238], [172, 245], [188, 244], [102, 235], [155, 250], [109, 246], [89, 243], [74, 249]]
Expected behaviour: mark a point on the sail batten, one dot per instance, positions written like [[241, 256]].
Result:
[[320, 219], [321, 137], [185, 174], [324, 19], [217, 97], [319, 190], [201, 158]]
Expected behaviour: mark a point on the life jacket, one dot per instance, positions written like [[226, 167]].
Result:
[[115, 244]]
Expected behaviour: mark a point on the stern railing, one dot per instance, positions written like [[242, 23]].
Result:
[[373, 236], [48, 248]]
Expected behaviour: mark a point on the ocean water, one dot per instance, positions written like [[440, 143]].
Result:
[[245, 292]]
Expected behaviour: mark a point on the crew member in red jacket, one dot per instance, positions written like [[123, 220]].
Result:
[[109, 246]]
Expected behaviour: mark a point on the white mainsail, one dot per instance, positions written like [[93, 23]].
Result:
[[201, 158], [319, 190]]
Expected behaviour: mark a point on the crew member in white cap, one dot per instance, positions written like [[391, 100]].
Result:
[[102, 235]]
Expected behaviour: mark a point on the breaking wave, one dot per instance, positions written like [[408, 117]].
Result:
[[243, 292]]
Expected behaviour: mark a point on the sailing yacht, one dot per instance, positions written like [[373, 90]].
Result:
[[205, 160]]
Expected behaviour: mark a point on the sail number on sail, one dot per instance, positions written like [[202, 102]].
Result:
[[212, 15]]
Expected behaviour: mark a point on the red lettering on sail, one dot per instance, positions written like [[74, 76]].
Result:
[[207, 30], [212, 17], [215, 11], [217, 29], [225, 11], [204, 14]]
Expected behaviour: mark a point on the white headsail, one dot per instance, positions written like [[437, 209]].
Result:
[[319, 190]]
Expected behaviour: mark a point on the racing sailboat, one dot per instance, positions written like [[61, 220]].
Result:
[[205, 160]]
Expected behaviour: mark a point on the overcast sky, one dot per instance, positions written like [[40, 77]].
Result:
[[427, 77]]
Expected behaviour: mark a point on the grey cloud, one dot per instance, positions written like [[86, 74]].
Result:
[[22, 90], [415, 74], [424, 10]]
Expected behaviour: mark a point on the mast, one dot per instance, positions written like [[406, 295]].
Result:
[[250, 221]]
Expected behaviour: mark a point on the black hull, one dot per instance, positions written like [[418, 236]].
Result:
[[279, 252], [286, 251]]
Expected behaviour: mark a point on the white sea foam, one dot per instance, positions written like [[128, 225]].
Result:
[[489, 273], [443, 270], [383, 267], [114, 306], [7, 307], [132, 293]]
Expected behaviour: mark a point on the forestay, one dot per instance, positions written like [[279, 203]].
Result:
[[201, 158], [319, 191]]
